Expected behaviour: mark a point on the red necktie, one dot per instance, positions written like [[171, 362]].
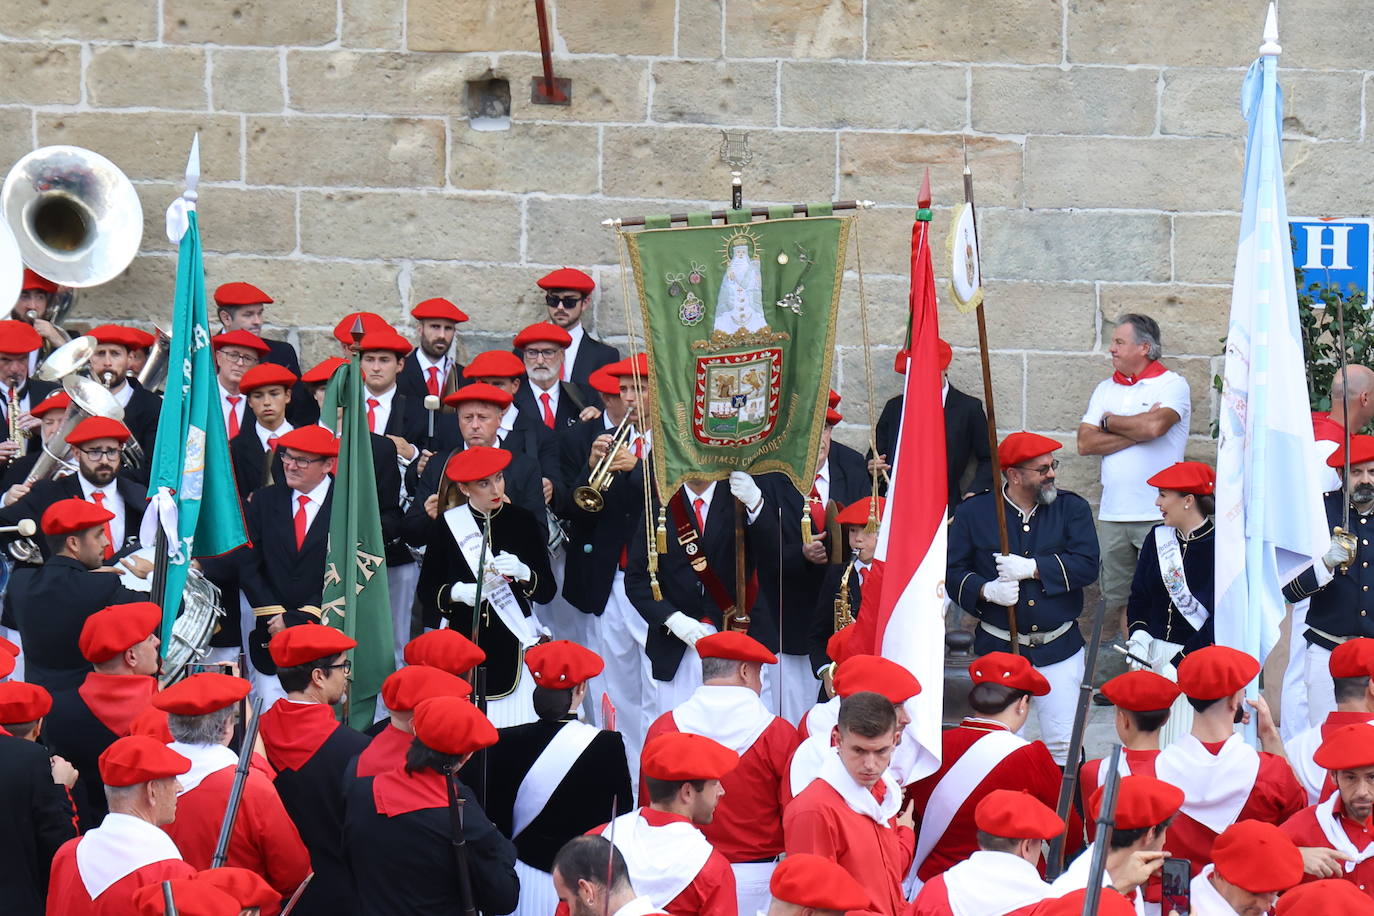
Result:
[[272, 443], [639, 446], [817, 508], [862, 572], [99, 498], [300, 520], [372, 405], [548, 411], [433, 383], [233, 400], [699, 507]]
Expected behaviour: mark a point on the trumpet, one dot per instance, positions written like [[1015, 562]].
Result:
[[589, 497]]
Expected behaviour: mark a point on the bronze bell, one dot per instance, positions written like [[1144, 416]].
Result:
[[958, 681]]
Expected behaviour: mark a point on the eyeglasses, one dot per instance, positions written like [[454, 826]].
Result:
[[241, 359], [1042, 470], [346, 665], [554, 301], [99, 454], [299, 462], [542, 352]]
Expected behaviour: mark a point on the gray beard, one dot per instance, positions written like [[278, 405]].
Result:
[[1044, 496]]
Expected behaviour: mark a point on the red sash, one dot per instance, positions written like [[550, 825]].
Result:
[[690, 541]]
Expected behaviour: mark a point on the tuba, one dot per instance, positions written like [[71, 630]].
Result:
[[154, 371]]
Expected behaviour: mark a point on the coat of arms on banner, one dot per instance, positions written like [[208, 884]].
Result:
[[736, 400]]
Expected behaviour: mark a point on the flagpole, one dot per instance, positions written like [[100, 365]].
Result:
[[988, 401]]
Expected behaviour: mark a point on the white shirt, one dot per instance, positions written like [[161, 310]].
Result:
[[570, 354], [225, 406], [1126, 497], [264, 433], [425, 363], [312, 508], [822, 484], [552, 394], [508, 418], [1206, 900], [113, 502], [123, 394], [707, 495], [382, 412], [24, 403]]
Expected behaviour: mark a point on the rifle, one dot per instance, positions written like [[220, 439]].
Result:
[[231, 813], [296, 896], [169, 905], [460, 842], [1106, 823]]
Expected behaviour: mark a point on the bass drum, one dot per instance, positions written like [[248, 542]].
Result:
[[201, 610]]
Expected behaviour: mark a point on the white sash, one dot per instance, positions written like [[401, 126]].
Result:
[[495, 591], [1175, 582], [958, 784], [732, 716], [205, 759], [1336, 836], [120, 846], [662, 861], [548, 771], [1299, 750], [860, 799], [992, 884], [1215, 786], [1122, 767]]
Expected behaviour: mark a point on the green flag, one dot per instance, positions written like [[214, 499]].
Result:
[[740, 323], [356, 599]]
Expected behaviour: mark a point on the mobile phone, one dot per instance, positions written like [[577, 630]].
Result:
[[213, 667], [1176, 891]]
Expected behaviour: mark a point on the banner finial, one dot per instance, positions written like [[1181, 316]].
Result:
[[1271, 48]]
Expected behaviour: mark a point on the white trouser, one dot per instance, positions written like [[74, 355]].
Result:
[[1321, 692], [1055, 711], [1293, 718], [268, 687], [1180, 711], [661, 696], [795, 683], [563, 620], [400, 584], [618, 636], [537, 896], [13, 636], [751, 886]]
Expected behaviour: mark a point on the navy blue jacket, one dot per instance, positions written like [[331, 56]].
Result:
[[1150, 609], [1344, 606]]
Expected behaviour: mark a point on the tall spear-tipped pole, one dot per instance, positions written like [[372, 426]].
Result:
[[987, 398]]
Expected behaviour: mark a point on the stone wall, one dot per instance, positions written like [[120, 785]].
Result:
[[342, 172]]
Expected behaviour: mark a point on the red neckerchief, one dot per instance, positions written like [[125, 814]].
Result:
[[656, 818], [397, 792], [5, 733], [385, 751], [293, 732], [116, 699], [1213, 747], [1338, 718], [879, 790], [1359, 831], [1150, 371]]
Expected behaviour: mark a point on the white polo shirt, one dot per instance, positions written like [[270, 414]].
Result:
[[1126, 497]]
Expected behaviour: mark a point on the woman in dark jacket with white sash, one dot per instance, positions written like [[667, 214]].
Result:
[[1172, 596]]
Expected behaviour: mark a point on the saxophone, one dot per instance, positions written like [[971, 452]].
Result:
[[844, 615], [16, 434]]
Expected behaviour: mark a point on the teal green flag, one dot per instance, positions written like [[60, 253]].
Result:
[[192, 480], [356, 599], [740, 321]]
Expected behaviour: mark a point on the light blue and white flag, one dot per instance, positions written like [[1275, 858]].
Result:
[[1271, 524]]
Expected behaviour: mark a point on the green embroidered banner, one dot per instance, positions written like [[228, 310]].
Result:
[[740, 322]]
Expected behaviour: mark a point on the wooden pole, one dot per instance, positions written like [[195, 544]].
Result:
[[803, 209]]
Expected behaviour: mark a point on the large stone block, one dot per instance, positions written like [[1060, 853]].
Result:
[[887, 168], [1205, 247], [619, 26], [151, 144], [1074, 245], [1027, 316], [1173, 33], [498, 300], [852, 95], [552, 158], [1016, 31], [16, 134], [604, 88], [410, 225], [683, 163], [1008, 383], [40, 74], [1192, 319], [1347, 38], [142, 293], [559, 231], [1144, 174], [800, 29], [133, 76], [1320, 176], [247, 80], [373, 152], [373, 23], [311, 292], [233, 219], [1059, 385], [381, 82], [483, 25], [701, 29], [135, 20], [715, 92], [1051, 100], [263, 23], [887, 306], [1207, 103]]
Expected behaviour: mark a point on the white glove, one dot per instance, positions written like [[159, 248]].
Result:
[[509, 565], [687, 629], [1337, 553], [1141, 644], [743, 488], [1016, 568], [463, 593], [1003, 592]]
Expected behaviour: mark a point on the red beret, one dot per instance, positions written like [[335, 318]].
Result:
[[494, 364], [1022, 446], [832, 416], [18, 337], [343, 331], [201, 694], [562, 665], [192, 898], [875, 674], [233, 294], [58, 400], [264, 374], [34, 280], [440, 309], [22, 702], [815, 882], [117, 628], [240, 338], [736, 647], [476, 463], [900, 360], [451, 725], [152, 722], [7, 664], [131, 338], [248, 888], [543, 332], [567, 278], [481, 391], [388, 340], [1350, 747], [140, 339], [1322, 898], [682, 757], [321, 372], [856, 513], [603, 382], [1214, 672], [834, 400], [1009, 670], [138, 758], [1141, 691], [1186, 477], [93, 428], [406, 687], [629, 366], [1016, 815], [307, 642], [8, 648], [1141, 801], [445, 649], [944, 353], [313, 439], [70, 515], [1353, 658], [1257, 857], [1110, 903], [1361, 451]]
